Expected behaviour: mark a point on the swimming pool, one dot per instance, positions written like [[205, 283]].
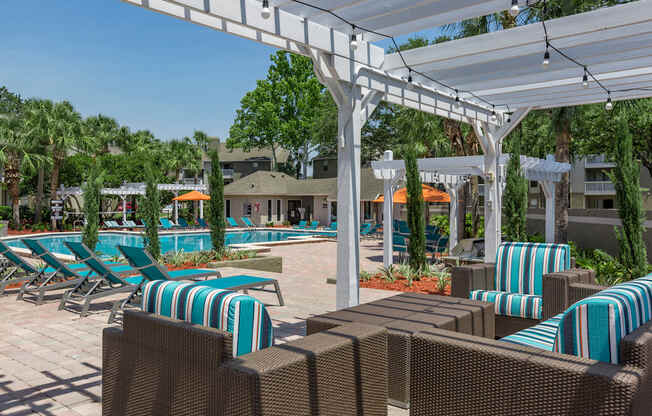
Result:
[[169, 242]]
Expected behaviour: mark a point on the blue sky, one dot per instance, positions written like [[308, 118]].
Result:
[[147, 70]]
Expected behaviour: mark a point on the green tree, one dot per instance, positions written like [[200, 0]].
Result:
[[626, 179], [151, 206], [415, 215], [216, 219], [515, 196], [92, 199]]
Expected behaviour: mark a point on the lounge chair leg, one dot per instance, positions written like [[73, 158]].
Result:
[[22, 292], [41, 295], [114, 311], [84, 311], [3, 285], [64, 299], [278, 293]]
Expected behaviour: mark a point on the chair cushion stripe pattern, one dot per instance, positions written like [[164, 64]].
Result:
[[242, 316], [593, 327], [520, 266], [511, 304], [539, 336]]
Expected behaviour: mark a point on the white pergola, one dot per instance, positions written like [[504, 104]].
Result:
[[504, 68], [453, 172], [128, 189]]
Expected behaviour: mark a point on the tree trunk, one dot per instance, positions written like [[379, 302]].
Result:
[[562, 190], [475, 206], [57, 161], [40, 190], [461, 213], [274, 166]]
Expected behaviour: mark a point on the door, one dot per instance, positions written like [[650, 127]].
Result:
[[294, 215]]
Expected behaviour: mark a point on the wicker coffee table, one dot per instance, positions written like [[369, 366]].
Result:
[[407, 314]]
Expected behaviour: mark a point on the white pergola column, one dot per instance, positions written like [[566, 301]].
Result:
[[124, 208], [549, 192], [353, 111], [201, 209], [176, 208], [388, 216], [491, 139], [453, 185]]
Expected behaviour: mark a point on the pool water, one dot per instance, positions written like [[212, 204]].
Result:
[[108, 242]]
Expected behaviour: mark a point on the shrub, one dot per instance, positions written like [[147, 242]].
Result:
[[415, 215], [5, 212], [365, 276], [151, 206], [92, 196], [216, 217]]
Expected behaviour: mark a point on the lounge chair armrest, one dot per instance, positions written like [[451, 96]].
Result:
[[464, 279], [339, 371], [579, 291], [460, 374], [556, 286]]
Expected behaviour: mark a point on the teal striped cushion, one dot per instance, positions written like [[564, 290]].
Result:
[[520, 266], [511, 304], [594, 326], [242, 316], [539, 336]]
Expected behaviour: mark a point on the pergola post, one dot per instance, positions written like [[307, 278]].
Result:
[[453, 185], [388, 216], [176, 208], [124, 208], [201, 209]]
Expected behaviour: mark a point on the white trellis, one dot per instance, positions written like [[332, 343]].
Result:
[[453, 172], [129, 189]]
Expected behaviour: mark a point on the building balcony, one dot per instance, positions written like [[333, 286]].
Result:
[[599, 188], [597, 161], [227, 173]]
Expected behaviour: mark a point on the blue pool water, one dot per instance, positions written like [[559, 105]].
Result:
[[169, 242]]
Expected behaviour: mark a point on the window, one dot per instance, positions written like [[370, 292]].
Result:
[[534, 184], [278, 210], [325, 167], [269, 210], [608, 204], [228, 207], [247, 210]]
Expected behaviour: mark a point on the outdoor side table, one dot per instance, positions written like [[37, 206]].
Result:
[[407, 314]]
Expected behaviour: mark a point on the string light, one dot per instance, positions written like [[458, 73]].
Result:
[[514, 10], [265, 12], [585, 79], [409, 79], [354, 39], [609, 106], [457, 99], [546, 57], [493, 113]]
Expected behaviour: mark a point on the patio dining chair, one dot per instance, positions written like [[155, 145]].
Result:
[[333, 226], [62, 275], [399, 245], [108, 281]]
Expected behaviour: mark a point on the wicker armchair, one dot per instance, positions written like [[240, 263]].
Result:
[[468, 375], [554, 294]]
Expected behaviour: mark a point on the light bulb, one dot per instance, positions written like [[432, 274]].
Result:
[[609, 106], [265, 12], [354, 42], [585, 80], [546, 58], [493, 114], [409, 81], [514, 10]]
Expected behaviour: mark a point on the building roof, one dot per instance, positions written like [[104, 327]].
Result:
[[240, 155], [281, 184]]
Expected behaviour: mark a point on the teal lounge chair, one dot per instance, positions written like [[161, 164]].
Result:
[[368, 229], [233, 223], [202, 223], [108, 281], [247, 221], [333, 226], [313, 225], [166, 224], [63, 275], [302, 224], [151, 270], [131, 224], [183, 223], [112, 224], [19, 270]]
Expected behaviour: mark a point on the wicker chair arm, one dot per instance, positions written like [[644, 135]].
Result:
[[465, 375], [464, 279], [579, 291], [341, 371], [556, 289]]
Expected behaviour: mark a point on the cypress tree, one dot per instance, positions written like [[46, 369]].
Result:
[[216, 219], [151, 206], [92, 194], [415, 217], [515, 196], [626, 179]]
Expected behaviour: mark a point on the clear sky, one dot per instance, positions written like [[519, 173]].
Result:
[[147, 70]]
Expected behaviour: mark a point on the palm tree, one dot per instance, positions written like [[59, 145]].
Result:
[[100, 132]]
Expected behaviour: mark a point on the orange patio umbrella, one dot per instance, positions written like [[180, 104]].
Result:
[[192, 196], [430, 194]]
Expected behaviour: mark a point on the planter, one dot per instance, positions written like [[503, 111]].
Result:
[[266, 264], [4, 228]]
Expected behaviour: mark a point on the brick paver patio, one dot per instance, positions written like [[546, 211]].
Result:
[[50, 360]]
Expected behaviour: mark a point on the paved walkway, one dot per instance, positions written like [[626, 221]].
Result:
[[50, 360]]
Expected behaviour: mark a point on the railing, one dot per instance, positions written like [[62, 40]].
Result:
[[599, 188], [597, 161]]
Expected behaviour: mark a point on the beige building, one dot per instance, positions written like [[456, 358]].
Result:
[[274, 197]]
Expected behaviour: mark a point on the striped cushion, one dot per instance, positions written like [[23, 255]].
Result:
[[242, 316], [511, 304], [520, 266], [539, 336], [594, 326]]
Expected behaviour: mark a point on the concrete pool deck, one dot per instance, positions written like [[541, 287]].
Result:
[[50, 361]]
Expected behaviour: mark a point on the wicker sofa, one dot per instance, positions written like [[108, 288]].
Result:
[[521, 302], [597, 362]]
